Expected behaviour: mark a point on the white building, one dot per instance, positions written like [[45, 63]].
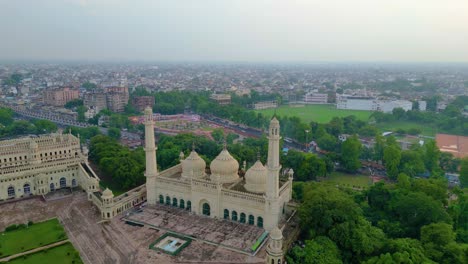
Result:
[[422, 105], [356, 102], [265, 105], [37, 166], [370, 103], [315, 98]]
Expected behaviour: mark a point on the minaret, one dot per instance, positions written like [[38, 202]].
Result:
[[275, 247], [150, 154], [272, 207]]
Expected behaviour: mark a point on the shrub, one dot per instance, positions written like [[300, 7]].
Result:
[[30, 223], [11, 228]]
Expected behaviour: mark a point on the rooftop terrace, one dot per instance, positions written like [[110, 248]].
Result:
[[230, 235]]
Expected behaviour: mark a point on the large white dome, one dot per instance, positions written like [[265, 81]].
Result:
[[194, 166], [255, 178], [224, 168]]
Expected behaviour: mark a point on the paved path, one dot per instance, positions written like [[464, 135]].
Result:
[[34, 250]]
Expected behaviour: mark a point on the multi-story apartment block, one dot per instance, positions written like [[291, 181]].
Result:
[[96, 101], [59, 96]]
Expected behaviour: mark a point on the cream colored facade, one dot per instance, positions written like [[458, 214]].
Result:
[[260, 199], [37, 166]]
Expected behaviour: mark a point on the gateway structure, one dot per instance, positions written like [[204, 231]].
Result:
[[39, 165], [259, 199]]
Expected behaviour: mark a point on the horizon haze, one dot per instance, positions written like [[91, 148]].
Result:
[[224, 31]]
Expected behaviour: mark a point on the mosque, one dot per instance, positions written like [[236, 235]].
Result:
[[259, 200]]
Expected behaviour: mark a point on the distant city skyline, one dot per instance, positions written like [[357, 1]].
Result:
[[238, 31]]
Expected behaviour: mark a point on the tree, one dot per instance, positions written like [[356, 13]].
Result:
[[45, 126], [403, 251], [320, 250], [73, 103], [392, 156], [403, 181], [114, 133], [81, 113], [350, 152], [411, 163], [431, 157], [464, 173], [218, 135], [439, 242], [6, 116], [327, 142], [398, 112], [416, 209]]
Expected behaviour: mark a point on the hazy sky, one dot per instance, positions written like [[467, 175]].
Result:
[[235, 30]]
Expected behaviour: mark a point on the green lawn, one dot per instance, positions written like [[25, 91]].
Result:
[[316, 113], [63, 254], [36, 235], [348, 180], [405, 125]]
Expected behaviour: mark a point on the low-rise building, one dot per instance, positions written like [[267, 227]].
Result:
[[265, 105], [141, 102], [315, 98], [222, 99]]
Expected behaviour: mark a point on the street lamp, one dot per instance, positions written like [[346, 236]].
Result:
[[307, 139]]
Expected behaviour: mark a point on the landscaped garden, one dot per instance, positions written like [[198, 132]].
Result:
[[20, 238], [63, 254]]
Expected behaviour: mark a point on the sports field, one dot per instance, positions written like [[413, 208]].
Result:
[[33, 236], [348, 180], [63, 254], [316, 113]]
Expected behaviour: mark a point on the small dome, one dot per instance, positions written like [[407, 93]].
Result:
[[276, 233], [255, 178], [107, 193], [225, 167], [193, 165], [274, 121]]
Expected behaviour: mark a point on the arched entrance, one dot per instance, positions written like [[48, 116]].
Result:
[[11, 192], [251, 220], [26, 189], [226, 214], [234, 216], [206, 210], [189, 205], [161, 199], [182, 204], [74, 182], [52, 187], [63, 182], [242, 218]]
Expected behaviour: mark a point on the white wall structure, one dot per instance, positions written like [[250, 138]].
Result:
[[370, 103], [422, 105], [260, 200], [315, 98], [37, 166]]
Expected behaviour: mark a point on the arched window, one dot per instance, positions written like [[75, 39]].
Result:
[[63, 182], [242, 218], [174, 202], [52, 187], [260, 221], [74, 182], [226, 214], [234, 216], [168, 200], [189, 205], [182, 203], [27, 189], [206, 209], [251, 220], [161, 199], [11, 192]]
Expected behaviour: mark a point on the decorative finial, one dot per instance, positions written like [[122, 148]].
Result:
[[69, 130], [193, 145], [225, 144], [258, 154]]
